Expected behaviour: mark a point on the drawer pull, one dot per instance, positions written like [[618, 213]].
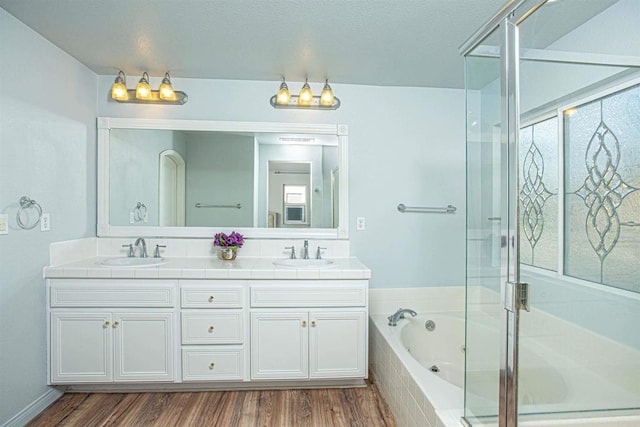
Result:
[[313, 323], [106, 324], [304, 323], [211, 298], [116, 324], [210, 328], [212, 365]]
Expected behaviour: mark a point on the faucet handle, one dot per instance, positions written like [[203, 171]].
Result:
[[156, 254], [131, 254], [293, 251], [319, 252]]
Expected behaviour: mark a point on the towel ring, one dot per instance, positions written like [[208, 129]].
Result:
[[27, 203], [140, 212]]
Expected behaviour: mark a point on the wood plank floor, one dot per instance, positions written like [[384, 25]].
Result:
[[314, 408]]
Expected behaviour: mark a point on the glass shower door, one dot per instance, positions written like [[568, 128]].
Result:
[[579, 194], [485, 187]]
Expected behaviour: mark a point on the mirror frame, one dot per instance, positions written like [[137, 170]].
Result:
[[105, 124]]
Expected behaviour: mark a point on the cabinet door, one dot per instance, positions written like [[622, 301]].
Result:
[[144, 346], [81, 347], [337, 344], [279, 345]]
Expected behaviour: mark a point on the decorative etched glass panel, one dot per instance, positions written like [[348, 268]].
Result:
[[602, 190], [539, 194]]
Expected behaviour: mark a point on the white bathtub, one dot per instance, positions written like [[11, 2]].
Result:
[[408, 351]]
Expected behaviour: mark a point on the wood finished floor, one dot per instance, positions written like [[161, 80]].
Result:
[[314, 408]]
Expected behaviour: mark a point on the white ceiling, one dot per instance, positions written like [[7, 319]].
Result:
[[384, 42]]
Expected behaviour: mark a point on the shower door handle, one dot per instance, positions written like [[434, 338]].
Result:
[[494, 218], [516, 297]]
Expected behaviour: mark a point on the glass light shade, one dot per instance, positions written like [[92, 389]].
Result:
[[143, 90], [306, 96], [119, 89], [283, 97], [166, 90], [326, 97]]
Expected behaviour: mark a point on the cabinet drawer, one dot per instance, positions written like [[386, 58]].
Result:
[[112, 293], [220, 327], [209, 295], [210, 364], [303, 294]]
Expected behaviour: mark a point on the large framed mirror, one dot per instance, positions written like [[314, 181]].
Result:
[[193, 178]]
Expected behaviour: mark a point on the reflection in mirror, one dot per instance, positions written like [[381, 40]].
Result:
[[164, 179], [182, 177]]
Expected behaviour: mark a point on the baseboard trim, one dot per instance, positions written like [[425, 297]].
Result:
[[212, 386], [34, 408]]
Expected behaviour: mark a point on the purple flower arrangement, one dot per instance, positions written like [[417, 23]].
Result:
[[233, 240]]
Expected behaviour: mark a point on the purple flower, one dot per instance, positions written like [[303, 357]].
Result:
[[232, 240]]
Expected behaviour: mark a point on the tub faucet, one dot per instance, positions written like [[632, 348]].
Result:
[[393, 319], [305, 250], [143, 249]]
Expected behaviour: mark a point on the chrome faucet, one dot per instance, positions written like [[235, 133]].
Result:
[[393, 319], [293, 251], [305, 250], [319, 252], [143, 249]]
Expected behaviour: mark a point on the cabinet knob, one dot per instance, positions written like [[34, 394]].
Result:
[[313, 323], [212, 365], [116, 324], [106, 324], [304, 323], [211, 298], [210, 328]]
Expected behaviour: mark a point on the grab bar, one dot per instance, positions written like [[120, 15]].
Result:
[[236, 206], [450, 209]]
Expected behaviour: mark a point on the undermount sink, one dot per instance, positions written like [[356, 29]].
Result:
[[132, 262], [303, 263]]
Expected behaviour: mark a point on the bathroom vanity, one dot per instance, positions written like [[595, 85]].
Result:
[[159, 327], [191, 321]]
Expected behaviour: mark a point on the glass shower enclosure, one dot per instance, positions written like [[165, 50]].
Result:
[[553, 215]]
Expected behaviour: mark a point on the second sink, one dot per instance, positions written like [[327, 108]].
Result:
[[132, 262], [303, 263]]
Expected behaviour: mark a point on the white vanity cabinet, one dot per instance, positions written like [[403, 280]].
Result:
[[308, 330], [111, 331], [213, 330]]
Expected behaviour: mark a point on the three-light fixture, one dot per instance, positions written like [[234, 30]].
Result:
[[143, 94], [305, 100]]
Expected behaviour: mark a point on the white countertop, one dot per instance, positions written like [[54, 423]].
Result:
[[210, 268]]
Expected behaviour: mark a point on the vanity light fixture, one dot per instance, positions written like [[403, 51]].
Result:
[[306, 96], [166, 90], [143, 90], [305, 100], [326, 97], [143, 94], [119, 88]]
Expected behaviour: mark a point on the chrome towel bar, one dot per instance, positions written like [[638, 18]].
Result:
[[450, 209], [236, 206]]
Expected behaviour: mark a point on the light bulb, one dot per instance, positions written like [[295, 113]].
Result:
[[119, 88], [283, 97], [326, 97], [143, 90], [306, 96], [166, 90]]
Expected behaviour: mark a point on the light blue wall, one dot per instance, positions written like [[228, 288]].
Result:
[[47, 152], [135, 163], [219, 172], [406, 145]]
